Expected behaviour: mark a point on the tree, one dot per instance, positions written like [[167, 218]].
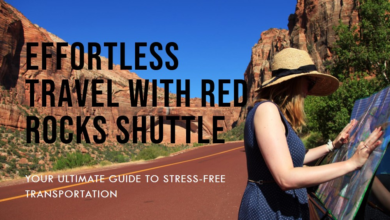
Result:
[[359, 51], [365, 49], [327, 115]]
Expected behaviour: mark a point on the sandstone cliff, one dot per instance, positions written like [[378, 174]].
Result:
[[310, 29], [271, 42], [17, 30]]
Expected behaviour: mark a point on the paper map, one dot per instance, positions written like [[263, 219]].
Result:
[[342, 196]]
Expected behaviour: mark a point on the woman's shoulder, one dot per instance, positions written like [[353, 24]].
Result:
[[267, 117], [267, 109], [263, 108], [262, 111]]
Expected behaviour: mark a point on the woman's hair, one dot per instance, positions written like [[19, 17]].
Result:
[[288, 96]]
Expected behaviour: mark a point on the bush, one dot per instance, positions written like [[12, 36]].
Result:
[[365, 48], [235, 134], [3, 159], [356, 53], [24, 172], [152, 152], [105, 163], [197, 144], [41, 168], [123, 158], [12, 167], [328, 115], [116, 156], [15, 152], [73, 160]]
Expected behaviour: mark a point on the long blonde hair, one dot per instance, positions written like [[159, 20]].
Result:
[[288, 96]]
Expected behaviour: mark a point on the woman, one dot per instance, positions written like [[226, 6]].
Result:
[[276, 155]]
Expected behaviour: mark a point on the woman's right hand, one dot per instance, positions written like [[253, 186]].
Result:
[[365, 148]]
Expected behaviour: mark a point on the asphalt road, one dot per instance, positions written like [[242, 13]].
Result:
[[205, 183]]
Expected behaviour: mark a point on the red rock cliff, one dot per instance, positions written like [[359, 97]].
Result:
[[310, 29], [271, 42], [17, 30]]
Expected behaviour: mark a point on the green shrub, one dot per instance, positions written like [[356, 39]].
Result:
[[152, 152], [35, 159], [3, 159], [17, 133], [366, 51], [73, 160], [15, 152], [116, 156], [235, 134], [356, 53], [197, 144], [105, 163], [123, 158], [12, 167], [41, 168], [24, 172], [33, 166], [328, 115], [45, 149]]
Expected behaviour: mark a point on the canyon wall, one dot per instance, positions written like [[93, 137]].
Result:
[[310, 28], [17, 30]]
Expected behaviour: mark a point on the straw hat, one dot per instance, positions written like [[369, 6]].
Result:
[[290, 63]]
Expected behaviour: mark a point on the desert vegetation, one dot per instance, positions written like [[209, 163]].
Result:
[[18, 158]]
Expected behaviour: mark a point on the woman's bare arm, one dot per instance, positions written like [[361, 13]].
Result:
[[270, 135], [315, 153]]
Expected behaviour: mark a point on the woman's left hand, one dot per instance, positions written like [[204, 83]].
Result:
[[342, 138]]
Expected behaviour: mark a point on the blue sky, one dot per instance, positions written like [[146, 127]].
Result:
[[215, 38]]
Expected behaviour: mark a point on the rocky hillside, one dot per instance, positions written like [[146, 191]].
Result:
[[17, 30], [310, 29]]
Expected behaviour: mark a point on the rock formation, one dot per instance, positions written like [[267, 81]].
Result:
[[17, 30], [271, 42], [310, 29]]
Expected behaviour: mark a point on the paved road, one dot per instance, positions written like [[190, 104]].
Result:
[[181, 198]]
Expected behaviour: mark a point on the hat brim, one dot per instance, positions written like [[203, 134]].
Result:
[[325, 84]]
